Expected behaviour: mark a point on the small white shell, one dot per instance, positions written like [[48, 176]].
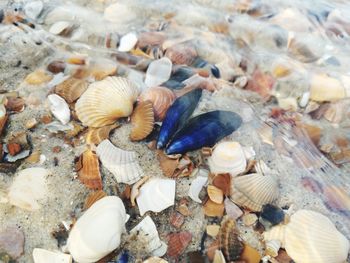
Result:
[[60, 26], [44, 256], [122, 164], [228, 157], [98, 231], [158, 72], [149, 231], [32, 9], [272, 247], [59, 108], [28, 187], [127, 42], [197, 185], [156, 195]]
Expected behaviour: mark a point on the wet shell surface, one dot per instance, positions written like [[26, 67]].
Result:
[[178, 242], [59, 108], [127, 42], [97, 232], [156, 195], [122, 164], [43, 256], [106, 101], [142, 120], [71, 89], [158, 72], [228, 157], [161, 98], [230, 243], [254, 190], [97, 135], [88, 170]]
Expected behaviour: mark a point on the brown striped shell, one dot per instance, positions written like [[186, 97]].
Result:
[[71, 89], [97, 135], [230, 243], [142, 120], [177, 243], [88, 170]]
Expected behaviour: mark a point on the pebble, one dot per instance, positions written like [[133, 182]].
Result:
[[12, 241]]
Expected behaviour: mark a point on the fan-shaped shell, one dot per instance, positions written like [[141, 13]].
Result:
[[156, 195], [97, 135], [122, 164], [142, 120], [254, 190], [228, 157], [88, 170], [178, 242], [43, 256], [276, 233], [105, 101], [161, 98], [97, 232], [71, 89]]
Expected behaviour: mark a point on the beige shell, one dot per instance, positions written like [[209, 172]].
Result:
[[325, 88], [142, 120], [122, 164], [254, 190], [105, 101], [71, 89], [97, 135], [228, 157], [44, 256], [276, 233]]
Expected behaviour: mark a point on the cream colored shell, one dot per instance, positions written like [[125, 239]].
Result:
[[44, 256], [105, 101]]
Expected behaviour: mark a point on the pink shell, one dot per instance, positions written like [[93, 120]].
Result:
[[178, 243]]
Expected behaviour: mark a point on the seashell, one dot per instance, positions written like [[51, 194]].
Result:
[[197, 185], [71, 89], [276, 233], [28, 187], [150, 39], [261, 83], [148, 230], [272, 247], [176, 219], [271, 215], [43, 256], [182, 77], [249, 219], [33, 9], [335, 112], [93, 198], [336, 198], [254, 190], [219, 257], [181, 54], [211, 249], [135, 191], [250, 255], [325, 88], [122, 164], [158, 72], [167, 165], [88, 170], [62, 28], [213, 209], [178, 243], [3, 120], [212, 126], [215, 194], [142, 120], [127, 42], [230, 243], [102, 68], [213, 230], [155, 260], [304, 99], [38, 77], [15, 104], [120, 14], [98, 231], [228, 157], [56, 66], [232, 210], [11, 242], [161, 98], [105, 101], [59, 108], [177, 116], [97, 135], [156, 195], [223, 182]]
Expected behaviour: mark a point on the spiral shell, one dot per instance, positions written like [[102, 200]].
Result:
[[142, 120], [71, 89], [105, 101]]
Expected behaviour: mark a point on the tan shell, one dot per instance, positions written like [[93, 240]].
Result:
[[88, 170], [106, 101], [71, 89], [142, 120], [150, 39], [213, 209], [325, 88], [161, 98], [181, 54], [230, 243], [215, 194], [254, 190], [93, 198], [38, 77], [97, 135]]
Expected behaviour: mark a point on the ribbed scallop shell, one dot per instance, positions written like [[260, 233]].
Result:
[[228, 157], [105, 101], [142, 120], [161, 98], [97, 135], [71, 89], [89, 171], [122, 164], [178, 242], [254, 190], [230, 243]]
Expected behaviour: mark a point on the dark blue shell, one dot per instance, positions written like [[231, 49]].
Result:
[[178, 113], [176, 79], [204, 131]]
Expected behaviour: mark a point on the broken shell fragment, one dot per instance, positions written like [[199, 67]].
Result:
[[88, 170], [93, 198], [59, 108], [213, 209], [98, 231], [177, 219], [197, 185], [213, 230], [223, 182], [232, 210], [43, 256], [135, 191], [71, 89], [33, 9], [142, 120], [177, 243], [215, 194], [127, 42], [158, 72], [122, 164], [271, 215], [155, 260], [230, 243], [61, 28], [97, 135], [181, 54], [156, 195], [272, 247], [249, 219]]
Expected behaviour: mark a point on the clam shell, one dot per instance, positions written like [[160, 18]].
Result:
[[177, 243], [88, 170], [161, 98], [158, 72], [59, 108], [127, 42], [254, 190], [37, 77], [142, 120], [213, 209], [97, 232], [272, 247], [122, 164], [325, 88], [156, 195], [105, 101], [228, 157], [97, 135], [102, 68], [181, 54], [71, 89], [197, 185], [230, 243], [61, 28], [43, 256]]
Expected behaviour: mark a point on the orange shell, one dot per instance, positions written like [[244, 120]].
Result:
[[215, 194], [223, 182], [142, 120], [167, 165], [230, 244], [97, 135], [161, 98], [213, 209], [178, 243], [71, 89], [181, 54], [176, 219], [93, 197], [38, 77], [3, 123], [87, 167]]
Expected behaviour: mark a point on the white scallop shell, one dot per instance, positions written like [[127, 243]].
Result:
[[158, 72], [228, 157], [105, 101], [98, 231], [59, 108], [28, 187], [156, 195], [127, 42], [197, 185], [44, 256], [32, 9], [254, 190], [122, 164], [149, 230]]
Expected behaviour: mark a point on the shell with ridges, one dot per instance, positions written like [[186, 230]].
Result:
[[254, 190], [230, 243], [88, 170], [142, 120], [178, 242], [71, 89], [105, 101], [97, 135], [122, 164]]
